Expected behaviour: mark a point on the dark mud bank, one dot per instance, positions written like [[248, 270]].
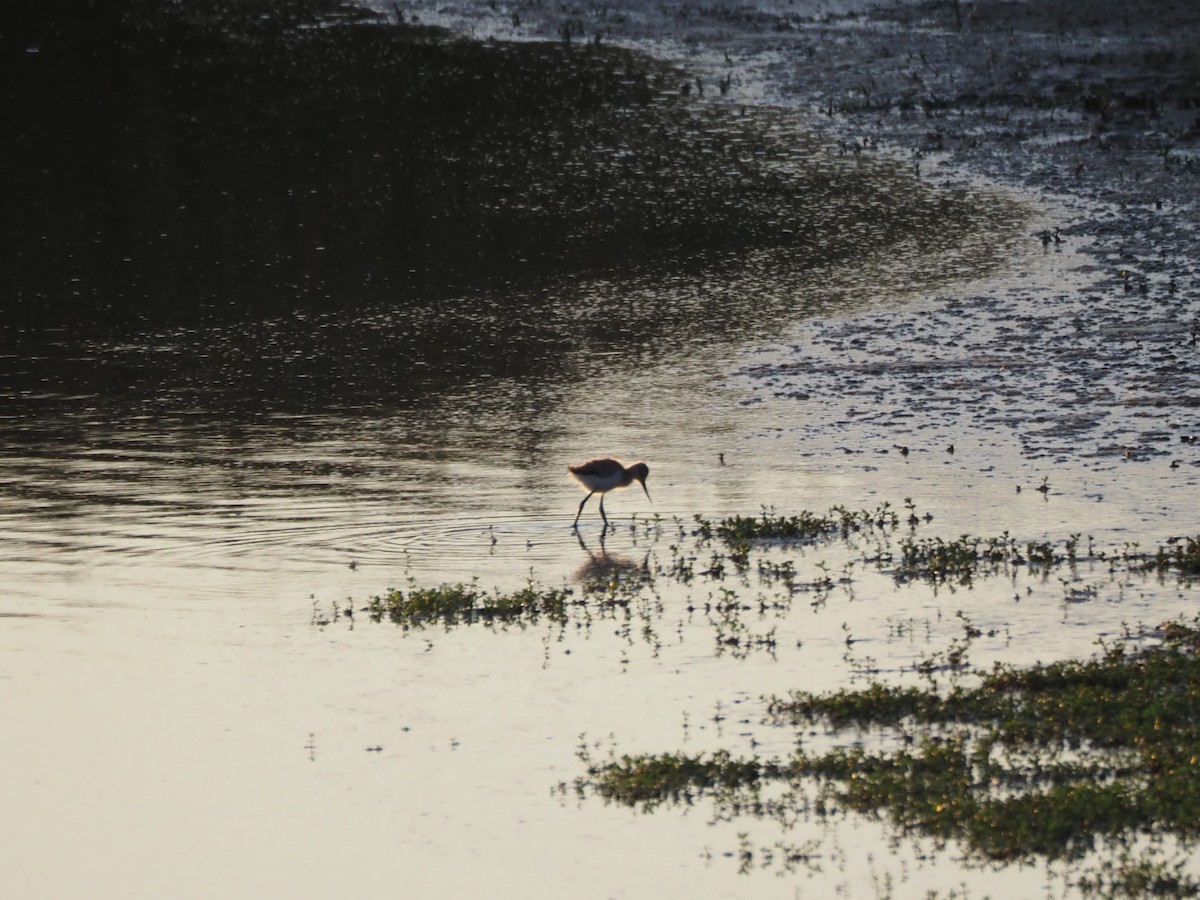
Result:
[[1094, 109]]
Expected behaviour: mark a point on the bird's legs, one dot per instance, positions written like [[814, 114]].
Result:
[[575, 524], [602, 515]]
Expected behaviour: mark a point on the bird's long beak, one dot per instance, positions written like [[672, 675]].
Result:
[[646, 489]]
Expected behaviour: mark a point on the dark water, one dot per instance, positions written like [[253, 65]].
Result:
[[313, 289], [198, 165]]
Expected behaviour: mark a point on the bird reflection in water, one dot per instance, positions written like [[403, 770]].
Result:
[[605, 566]]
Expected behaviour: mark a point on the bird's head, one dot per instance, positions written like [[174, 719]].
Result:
[[639, 471]]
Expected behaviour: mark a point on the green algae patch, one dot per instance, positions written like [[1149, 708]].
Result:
[[1052, 762], [649, 781], [449, 605], [1090, 765], [962, 559], [803, 526]]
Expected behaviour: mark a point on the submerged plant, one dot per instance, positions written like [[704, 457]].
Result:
[[804, 526], [1178, 554], [968, 557], [1051, 762], [466, 604]]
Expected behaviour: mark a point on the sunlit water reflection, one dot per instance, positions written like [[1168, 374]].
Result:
[[178, 506], [338, 439], [180, 550]]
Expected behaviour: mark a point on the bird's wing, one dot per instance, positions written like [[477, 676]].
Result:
[[601, 468]]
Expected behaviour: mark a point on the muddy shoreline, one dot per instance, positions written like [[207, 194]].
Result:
[[1080, 364], [1080, 98], [1096, 112], [1090, 109]]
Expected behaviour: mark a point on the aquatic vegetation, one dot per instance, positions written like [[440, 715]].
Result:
[[763, 548], [1075, 762], [961, 559], [967, 557], [467, 604], [803, 526], [739, 533], [649, 781], [1053, 761], [1179, 555]]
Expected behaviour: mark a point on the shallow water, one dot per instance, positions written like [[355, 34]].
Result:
[[179, 508], [162, 573]]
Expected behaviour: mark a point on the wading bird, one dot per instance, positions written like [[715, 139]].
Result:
[[599, 476]]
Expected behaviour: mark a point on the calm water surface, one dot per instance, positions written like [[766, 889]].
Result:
[[189, 731], [179, 503]]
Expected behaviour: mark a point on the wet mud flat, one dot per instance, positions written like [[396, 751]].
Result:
[[1091, 358], [1084, 350]]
